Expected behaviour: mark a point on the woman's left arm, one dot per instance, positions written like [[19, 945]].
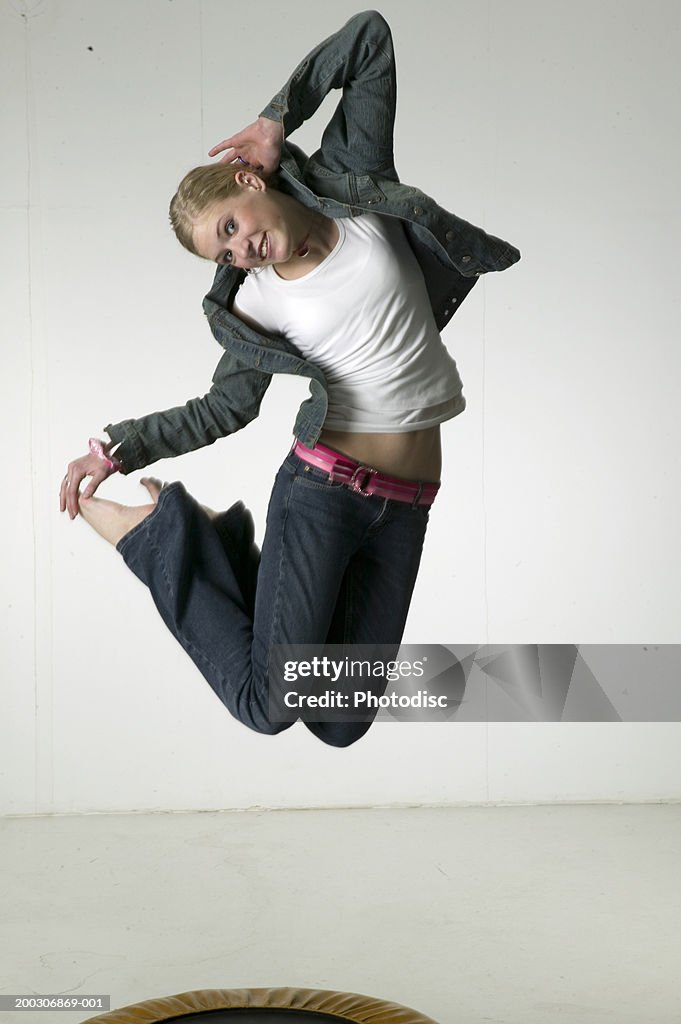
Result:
[[358, 59]]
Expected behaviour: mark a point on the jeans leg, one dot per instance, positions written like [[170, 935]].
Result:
[[325, 554], [199, 579], [374, 602], [309, 541], [236, 531]]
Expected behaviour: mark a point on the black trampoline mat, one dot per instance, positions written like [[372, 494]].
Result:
[[257, 1015]]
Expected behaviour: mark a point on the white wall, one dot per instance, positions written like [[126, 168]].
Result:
[[553, 124]]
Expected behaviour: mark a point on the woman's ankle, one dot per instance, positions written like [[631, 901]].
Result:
[[111, 520]]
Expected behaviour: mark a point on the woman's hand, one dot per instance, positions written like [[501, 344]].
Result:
[[88, 465], [258, 146]]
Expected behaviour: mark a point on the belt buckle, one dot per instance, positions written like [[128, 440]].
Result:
[[358, 484]]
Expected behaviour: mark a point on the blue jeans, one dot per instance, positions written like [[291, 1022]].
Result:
[[335, 567]]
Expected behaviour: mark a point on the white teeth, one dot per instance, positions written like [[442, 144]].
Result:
[[263, 248]]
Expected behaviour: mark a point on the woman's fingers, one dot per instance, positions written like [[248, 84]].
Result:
[[258, 145], [70, 486], [231, 156], [230, 143], [69, 491], [220, 148], [96, 480], [62, 494]]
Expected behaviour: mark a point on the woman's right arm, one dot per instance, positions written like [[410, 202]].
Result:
[[233, 401]]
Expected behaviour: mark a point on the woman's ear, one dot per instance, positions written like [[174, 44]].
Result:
[[248, 179]]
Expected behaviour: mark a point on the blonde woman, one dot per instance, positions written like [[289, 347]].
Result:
[[331, 269]]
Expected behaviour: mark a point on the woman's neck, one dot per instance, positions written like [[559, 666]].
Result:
[[319, 235]]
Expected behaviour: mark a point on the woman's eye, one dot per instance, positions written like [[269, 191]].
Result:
[[230, 227]]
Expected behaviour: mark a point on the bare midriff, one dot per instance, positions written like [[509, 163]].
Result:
[[415, 455]]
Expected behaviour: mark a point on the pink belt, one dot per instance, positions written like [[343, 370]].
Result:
[[364, 480]]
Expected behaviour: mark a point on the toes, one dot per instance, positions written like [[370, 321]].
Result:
[[153, 485]]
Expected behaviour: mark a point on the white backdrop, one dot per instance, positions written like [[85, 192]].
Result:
[[552, 124]]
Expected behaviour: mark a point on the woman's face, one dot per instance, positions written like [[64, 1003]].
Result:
[[254, 227]]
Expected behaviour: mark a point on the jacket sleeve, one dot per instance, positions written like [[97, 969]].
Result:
[[233, 401], [358, 59]]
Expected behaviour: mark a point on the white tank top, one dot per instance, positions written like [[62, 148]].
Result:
[[364, 318]]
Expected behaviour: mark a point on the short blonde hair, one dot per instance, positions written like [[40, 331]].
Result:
[[200, 189]]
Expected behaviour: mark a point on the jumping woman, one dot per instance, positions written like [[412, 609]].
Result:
[[331, 269]]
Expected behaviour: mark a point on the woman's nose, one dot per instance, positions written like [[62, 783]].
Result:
[[244, 248]]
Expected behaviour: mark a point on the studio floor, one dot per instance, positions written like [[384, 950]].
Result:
[[469, 914]]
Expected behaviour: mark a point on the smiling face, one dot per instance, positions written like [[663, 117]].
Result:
[[254, 227]]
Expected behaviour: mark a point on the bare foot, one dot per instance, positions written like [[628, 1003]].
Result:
[[111, 520], [155, 486]]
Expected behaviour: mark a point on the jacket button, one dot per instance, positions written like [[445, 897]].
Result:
[[418, 210], [466, 259], [446, 312], [449, 236]]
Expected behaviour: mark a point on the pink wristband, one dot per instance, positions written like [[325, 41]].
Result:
[[97, 448]]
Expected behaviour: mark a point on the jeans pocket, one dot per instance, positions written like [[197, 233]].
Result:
[[311, 476]]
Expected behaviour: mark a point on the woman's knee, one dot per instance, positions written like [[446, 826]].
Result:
[[339, 734]]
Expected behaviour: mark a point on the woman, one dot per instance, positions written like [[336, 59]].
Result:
[[337, 272]]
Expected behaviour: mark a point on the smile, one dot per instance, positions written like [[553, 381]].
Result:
[[264, 247]]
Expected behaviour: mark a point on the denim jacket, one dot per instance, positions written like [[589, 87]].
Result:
[[352, 172]]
